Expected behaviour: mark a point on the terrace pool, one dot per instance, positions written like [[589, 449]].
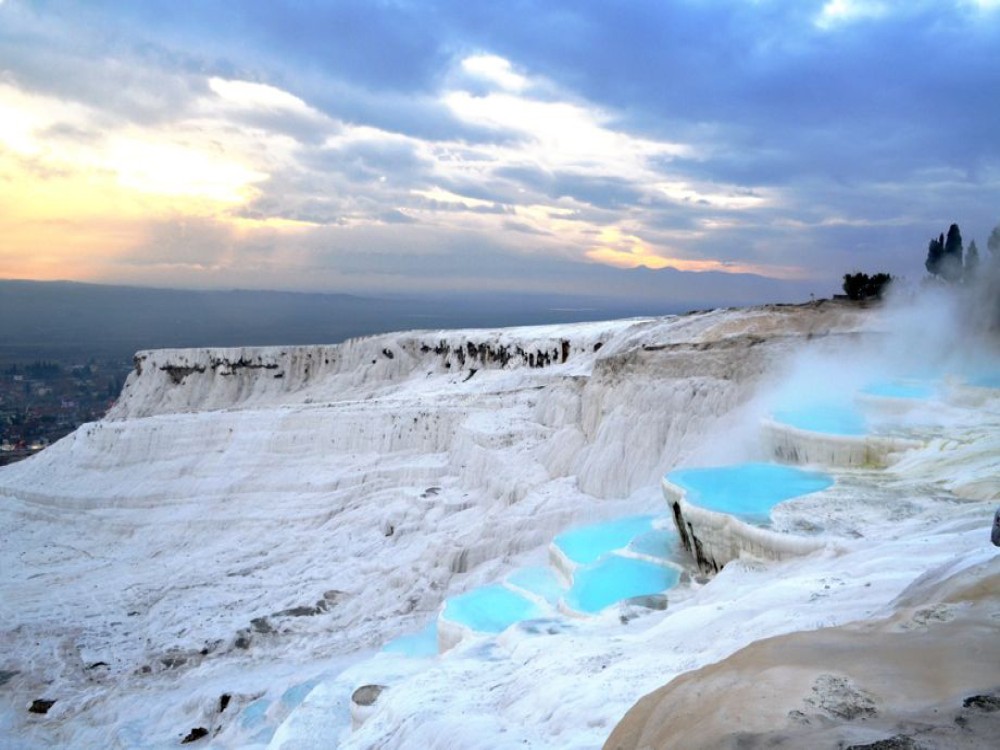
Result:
[[293, 696], [540, 581], [417, 645], [747, 490], [901, 389], [986, 381], [839, 419], [615, 578], [255, 714], [490, 609], [587, 544], [659, 543]]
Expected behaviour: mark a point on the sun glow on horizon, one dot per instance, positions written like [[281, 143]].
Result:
[[623, 250], [69, 139], [164, 168], [77, 196], [253, 170]]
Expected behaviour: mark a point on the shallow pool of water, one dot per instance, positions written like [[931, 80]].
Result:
[[659, 543], [540, 581], [747, 490], [255, 714], [587, 544], [901, 389], [839, 419], [294, 695], [615, 578], [986, 381], [417, 645], [490, 609]]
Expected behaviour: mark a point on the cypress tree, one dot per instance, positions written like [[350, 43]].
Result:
[[971, 261], [935, 252], [944, 255], [951, 262], [993, 243]]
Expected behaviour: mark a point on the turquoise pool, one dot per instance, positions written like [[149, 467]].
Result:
[[985, 381], [747, 490], [490, 609], [840, 419], [540, 581], [587, 544], [660, 543], [615, 578], [901, 389], [417, 645]]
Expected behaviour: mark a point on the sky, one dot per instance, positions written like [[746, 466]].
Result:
[[369, 145]]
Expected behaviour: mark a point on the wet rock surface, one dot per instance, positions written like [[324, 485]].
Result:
[[899, 742], [366, 695], [194, 735], [841, 698], [41, 706]]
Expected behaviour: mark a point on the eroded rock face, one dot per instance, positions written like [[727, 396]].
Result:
[[366, 695], [41, 706], [841, 698], [905, 682], [363, 703], [194, 735]]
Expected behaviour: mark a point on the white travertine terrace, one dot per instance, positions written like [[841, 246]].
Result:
[[797, 446], [228, 531], [714, 538]]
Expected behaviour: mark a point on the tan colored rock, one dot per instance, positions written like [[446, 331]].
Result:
[[927, 677]]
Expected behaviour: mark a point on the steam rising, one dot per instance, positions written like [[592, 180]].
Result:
[[931, 336]]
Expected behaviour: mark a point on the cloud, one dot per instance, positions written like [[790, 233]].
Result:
[[495, 70], [267, 108], [625, 251], [197, 244], [183, 162], [438, 198], [253, 96], [787, 138], [837, 12]]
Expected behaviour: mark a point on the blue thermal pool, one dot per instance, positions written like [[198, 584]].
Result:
[[254, 718], [293, 696], [490, 609], [831, 419], [416, 645], [540, 581], [900, 389], [985, 381], [615, 578], [747, 490], [588, 543], [659, 543], [255, 714]]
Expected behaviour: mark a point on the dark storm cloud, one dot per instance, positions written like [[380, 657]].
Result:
[[924, 71], [854, 101]]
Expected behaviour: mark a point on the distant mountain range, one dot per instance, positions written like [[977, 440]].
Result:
[[60, 320]]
